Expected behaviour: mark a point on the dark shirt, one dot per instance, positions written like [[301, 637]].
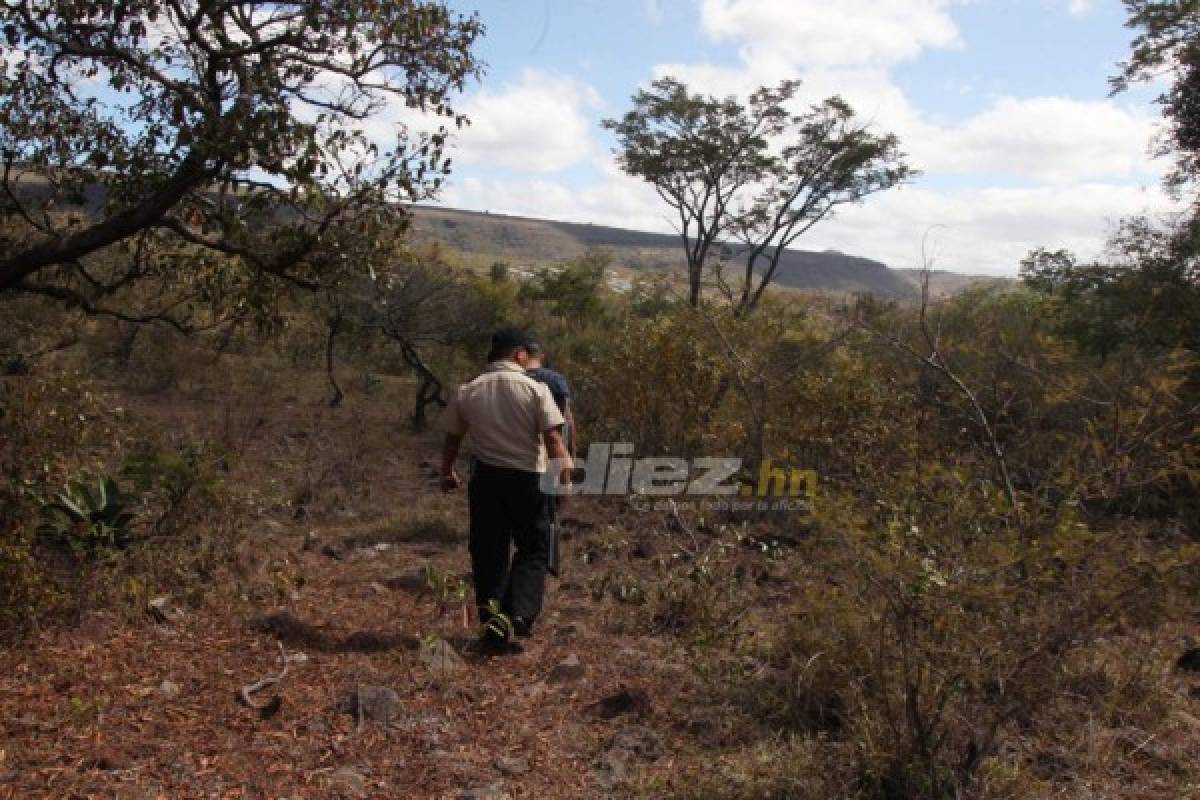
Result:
[[557, 384]]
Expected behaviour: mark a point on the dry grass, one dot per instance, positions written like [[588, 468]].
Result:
[[695, 613]]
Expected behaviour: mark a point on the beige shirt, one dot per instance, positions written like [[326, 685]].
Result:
[[506, 412]]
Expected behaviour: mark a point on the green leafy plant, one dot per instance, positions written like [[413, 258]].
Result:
[[445, 587], [89, 519]]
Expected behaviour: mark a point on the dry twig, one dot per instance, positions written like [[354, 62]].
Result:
[[246, 692]]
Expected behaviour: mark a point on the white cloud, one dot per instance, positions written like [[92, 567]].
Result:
[[984, 230], [849, 47], [818, 32], [538, 124], [541, 123], [1045, 139], [1067, 169], [1079, 7], [1022, 172]]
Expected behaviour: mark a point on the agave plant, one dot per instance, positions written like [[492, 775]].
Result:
[[89, 519]]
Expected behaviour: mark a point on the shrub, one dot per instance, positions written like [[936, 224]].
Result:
[[48, 425], [177, 483], [96, 545], [936, 628], [25, 597], [652, 385]]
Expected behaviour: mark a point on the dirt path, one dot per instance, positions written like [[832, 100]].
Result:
[[137, 709]]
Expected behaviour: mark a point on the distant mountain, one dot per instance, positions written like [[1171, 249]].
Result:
[[523, 241], [526, 242], [947, 284]]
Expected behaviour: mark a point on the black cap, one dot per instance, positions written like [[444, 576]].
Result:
[[505, 340], [534, 348]]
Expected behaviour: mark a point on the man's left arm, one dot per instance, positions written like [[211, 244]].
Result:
[[569, 413], [558, 455]]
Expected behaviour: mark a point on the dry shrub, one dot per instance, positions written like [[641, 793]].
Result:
[[330, 469], [701, 598], [60, 426], [793, 767], [50, 426], [156, 362], [931, 636], [25, 597], [652, 385]]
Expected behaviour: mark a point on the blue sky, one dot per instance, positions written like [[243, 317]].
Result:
[[1003, 104]]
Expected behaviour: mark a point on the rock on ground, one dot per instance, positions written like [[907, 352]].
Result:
[[511, 766], [377, 703], [629, 745], [569, 670], [626, 701], [440, 656], [347, 781]]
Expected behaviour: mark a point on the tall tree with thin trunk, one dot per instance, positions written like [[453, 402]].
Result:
[[747, 179], [829, 159], [700, 154]]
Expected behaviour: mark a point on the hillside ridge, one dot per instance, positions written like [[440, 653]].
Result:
[[537, 242]]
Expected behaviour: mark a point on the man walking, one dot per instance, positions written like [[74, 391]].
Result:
[[513, 423], [561, 392]]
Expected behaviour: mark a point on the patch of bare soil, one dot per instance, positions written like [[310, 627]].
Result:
[[361, 610]]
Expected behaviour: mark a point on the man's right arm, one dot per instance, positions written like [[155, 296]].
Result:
[[456, 428], [450, 447]]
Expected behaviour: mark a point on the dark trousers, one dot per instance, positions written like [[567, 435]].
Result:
[[508, 508]]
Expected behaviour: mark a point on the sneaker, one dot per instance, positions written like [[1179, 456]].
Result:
[[491, 643], [522, 628]]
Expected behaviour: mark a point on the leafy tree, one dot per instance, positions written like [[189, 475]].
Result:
[[829, 159], [1146, 297], [698, 153], [1146, 294], [753, 172], [212, 149], [1168, 44], [423, 304], [500, 272], [574, 290], [1091, 307]]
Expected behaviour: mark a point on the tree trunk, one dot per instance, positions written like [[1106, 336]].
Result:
[[335, 326], [128, 340], [428, 393]]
